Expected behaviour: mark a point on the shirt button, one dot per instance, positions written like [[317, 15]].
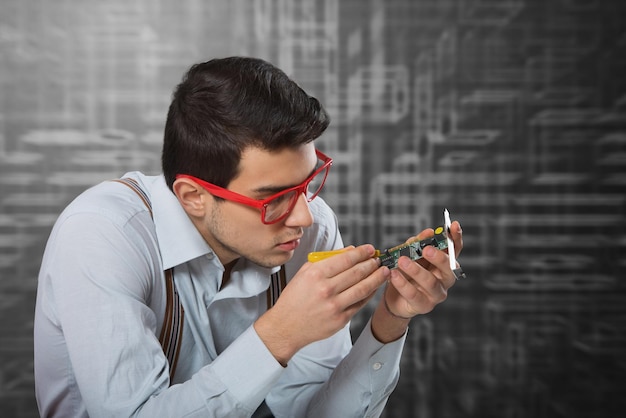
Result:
[[209, 256], [377, 366]]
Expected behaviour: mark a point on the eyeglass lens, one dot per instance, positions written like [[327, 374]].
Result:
[[283, 204], [316, 184]]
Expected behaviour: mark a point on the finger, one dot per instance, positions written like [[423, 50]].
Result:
[[417, 299], [420, 277], [354, 275], [357, 306], [402, 284], [426, 233], [341, 262], [362, 291], [440, 260], [457, 237]]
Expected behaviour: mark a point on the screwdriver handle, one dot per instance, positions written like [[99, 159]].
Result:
[[322, 255]]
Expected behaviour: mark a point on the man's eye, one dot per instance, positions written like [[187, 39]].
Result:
[[280, 199]]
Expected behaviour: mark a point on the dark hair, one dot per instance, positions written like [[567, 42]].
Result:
[[223, 106]]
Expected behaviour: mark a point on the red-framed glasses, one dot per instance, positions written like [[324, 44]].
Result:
[[276, 207]]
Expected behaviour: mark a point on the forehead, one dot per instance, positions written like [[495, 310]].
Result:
[[284, 168]]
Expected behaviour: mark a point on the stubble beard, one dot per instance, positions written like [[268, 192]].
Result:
[[215, 226]]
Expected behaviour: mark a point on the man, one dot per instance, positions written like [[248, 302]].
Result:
[[194, 250]]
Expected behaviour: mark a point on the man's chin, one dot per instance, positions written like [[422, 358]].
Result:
[[274, 260]]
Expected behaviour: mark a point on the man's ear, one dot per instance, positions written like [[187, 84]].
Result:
[[191, 197]]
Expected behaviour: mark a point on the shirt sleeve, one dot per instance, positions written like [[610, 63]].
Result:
[[363, 381], [354, 382], [95, 291]]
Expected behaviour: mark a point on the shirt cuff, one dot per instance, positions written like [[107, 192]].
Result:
[[383, 360], [247, 369]]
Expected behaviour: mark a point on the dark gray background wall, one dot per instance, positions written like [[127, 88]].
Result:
[[510, 113]]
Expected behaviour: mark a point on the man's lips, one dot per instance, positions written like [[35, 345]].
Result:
[[289, 245]]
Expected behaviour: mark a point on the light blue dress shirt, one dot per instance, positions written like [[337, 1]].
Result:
[[100, 307]]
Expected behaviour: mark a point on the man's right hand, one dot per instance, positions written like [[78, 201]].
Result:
[[320, 300]]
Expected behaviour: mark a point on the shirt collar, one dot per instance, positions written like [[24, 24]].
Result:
[[246, 280], [179, 240]]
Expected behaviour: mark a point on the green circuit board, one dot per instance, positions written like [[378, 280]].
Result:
[[414, 249]]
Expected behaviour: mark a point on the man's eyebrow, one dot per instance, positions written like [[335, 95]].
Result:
[[270, 189], [278, 189]]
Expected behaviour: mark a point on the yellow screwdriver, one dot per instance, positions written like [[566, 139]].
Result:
[[412, 249]]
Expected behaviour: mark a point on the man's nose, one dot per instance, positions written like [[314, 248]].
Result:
[[300, 215]]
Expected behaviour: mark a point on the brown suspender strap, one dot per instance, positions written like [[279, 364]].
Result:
[[134, 186], [278, 281], [172, 330]]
